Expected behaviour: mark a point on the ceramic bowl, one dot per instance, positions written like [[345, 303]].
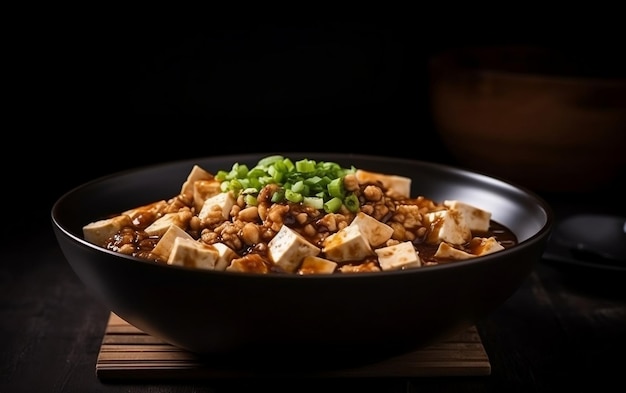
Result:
[[337, 318], [552, 120]]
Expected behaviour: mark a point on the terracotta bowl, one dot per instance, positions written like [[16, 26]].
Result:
[[549, 120]]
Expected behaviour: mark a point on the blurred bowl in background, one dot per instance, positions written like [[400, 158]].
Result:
[[544, 118]]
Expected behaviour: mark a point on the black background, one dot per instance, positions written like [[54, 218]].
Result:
[[87, 95], [94, 98]]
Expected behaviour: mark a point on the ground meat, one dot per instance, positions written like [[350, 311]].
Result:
[[249, 228]]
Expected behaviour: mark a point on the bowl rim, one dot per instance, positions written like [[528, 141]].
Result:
[[542, 233]]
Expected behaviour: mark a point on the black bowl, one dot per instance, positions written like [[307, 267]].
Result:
[[338, 318]]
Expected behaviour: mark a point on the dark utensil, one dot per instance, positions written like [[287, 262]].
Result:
[[590, 252], [595, 237], [596, 240]]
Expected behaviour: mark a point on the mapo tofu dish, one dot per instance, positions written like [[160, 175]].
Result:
[[300, 217]]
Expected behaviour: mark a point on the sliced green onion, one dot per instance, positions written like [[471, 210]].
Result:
[[336, 188], [314, 202], [240, 171], [250, 200], [351, 201], [293, 196], [278, 196], [305, 166], [318, 182], [289, 165], [333, 205], [269, 160], [235, 185], [298, 186], [250, 190], [313, 180], [221, 175]]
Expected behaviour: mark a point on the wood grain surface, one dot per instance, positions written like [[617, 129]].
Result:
[[127, 353]]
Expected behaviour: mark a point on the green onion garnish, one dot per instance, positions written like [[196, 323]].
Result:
[[316, 184]]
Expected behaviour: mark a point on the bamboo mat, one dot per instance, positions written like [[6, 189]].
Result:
[[127, 353]]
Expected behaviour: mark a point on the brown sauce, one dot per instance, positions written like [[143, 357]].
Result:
[[504, 235], [404, 215]]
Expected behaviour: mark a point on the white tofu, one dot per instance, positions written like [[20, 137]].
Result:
[[447, 226], [396, 186], [192, 253], [203, 190], [250, 263], [226, 255], [150, 210], [316, 265], [478, 246], [288, 248], [484, 245], [374, 231], [447, 252], [98, 232], [165, 245], [161, 225], [348, 244], [477, 219], [223, 202], [196, 173], [398, 256]]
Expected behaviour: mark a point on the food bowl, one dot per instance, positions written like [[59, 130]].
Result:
[[332, 319], [545, 118]]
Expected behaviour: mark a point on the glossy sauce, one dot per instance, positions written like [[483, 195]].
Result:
[[504, 235]]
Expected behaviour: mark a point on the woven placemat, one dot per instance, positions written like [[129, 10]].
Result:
[[128, 353]]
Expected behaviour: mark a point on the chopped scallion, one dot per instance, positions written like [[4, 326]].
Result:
[[333, 205], [316, 184], [351, 201]]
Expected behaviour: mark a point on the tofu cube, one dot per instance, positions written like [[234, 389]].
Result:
[[446, 252], [250, 263], [191, 253], [196, 173], [478, 246], [374, 231], [484, 245], [203, 190], [477, 219], [396, 186], [161, 225], [146, 213], [98, 232], [165, 245], [316, 265], [398, 256], [447, 226], [221, 202], [226, 255], [348, 244], [288, 248]]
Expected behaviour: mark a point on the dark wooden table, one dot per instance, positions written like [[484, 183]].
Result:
[[563, 329]]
